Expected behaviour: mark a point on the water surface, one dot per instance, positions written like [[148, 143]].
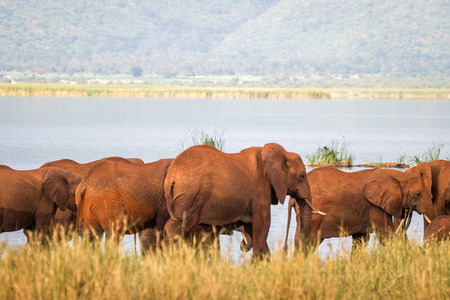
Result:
[[35, 130]]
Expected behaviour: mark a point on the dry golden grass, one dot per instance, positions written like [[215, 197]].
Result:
[[172, 91], [399, 269]]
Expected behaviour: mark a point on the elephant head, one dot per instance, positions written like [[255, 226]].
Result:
[[287, 175], [441, 186], [60, 186], [397, 192]]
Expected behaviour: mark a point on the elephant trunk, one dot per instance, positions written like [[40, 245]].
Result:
[[303, 230], [292, 204]]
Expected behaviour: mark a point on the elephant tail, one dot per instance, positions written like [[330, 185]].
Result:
[[188, 216], [79, 200], [292, 203], [168, 191]]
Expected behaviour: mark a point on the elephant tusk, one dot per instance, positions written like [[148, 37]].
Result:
[[400, 226], [314, 211], [409, 218], [426, 218], [245, 239]]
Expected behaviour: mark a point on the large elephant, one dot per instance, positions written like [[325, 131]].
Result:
[[438, 229], [206, 186], [29, 199], [357, 203], [440, 176], [118, 197], [64, 219]]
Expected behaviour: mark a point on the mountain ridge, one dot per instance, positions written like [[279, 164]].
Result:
[[261, 38]]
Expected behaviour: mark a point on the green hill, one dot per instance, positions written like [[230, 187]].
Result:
[[227, 37]]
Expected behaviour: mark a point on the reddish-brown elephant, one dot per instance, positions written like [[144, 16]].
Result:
[[206, 186], [440, 170], [29, 199], [438, 229], [440, 175], [357, 203], [67, 218], [118, 197]]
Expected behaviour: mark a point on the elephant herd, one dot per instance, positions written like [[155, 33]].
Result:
[[204, 192]]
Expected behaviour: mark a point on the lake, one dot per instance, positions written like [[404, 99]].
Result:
[[35, 130]]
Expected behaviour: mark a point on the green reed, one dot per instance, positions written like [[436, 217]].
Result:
[[215, 139], [335, 153], [433, 152]]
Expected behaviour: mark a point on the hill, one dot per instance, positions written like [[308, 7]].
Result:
[[307, 38]]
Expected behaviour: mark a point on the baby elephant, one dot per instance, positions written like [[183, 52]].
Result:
[[438, 229]]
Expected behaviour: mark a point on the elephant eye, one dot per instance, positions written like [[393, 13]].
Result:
[[303, 175], [418, 194]]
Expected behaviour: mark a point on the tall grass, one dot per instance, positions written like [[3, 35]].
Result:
[[380, 93], [399, 269], [431, 153], [216, 139], [336, 153], [151, 91]]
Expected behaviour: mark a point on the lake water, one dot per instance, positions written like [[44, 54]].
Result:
[[35, 130]]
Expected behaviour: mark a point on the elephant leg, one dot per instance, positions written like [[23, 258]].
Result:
[[382, 224], [29, 232], [172, 230], [149, 240], [358, 239], [204, 236], [114, 237], [261, 226], [43, 230]]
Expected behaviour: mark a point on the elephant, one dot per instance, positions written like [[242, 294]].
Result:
[[440, 170], [358, 203], [438, 229], [206, 186], [64, 219], [29, 199], [118, 197]]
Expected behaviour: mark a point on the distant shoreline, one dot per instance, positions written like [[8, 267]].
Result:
[[159, 91]]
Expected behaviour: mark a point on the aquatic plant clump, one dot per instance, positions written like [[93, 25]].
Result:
[[203, 138], [216, 139], [335, 154], [432, 153]]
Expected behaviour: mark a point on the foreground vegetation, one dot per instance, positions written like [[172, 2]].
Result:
[[399, 269], [173, 91]]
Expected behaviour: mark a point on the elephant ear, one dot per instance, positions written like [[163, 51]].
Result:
[[445, 197], [274, 158], [424, 170], [56, 187], [384, 192]]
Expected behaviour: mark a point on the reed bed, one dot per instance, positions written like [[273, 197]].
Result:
[[173, 91], [149, 91], [419, 94], [399, 269]]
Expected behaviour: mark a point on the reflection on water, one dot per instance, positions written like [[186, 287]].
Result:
[[35, 130]]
